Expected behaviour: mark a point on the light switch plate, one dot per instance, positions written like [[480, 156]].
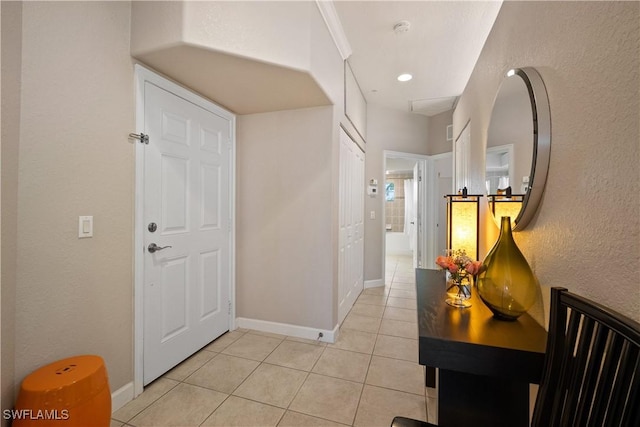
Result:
[[85, 227]]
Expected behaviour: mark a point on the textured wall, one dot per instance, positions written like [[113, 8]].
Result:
[[586, 235], [285, 245], [11, 64], [74, 296], [437, 137]]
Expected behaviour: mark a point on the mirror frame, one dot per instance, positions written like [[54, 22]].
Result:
[[541, 142]]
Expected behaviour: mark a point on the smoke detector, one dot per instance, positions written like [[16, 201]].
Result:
[[402, 27]]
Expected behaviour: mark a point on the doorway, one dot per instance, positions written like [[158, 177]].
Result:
[[400, 210], [414, 208], [183, 225]]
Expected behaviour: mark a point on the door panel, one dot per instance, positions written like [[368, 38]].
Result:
[[187, 194], [351, 221]]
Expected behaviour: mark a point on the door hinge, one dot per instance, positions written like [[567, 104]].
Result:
[[142, 137], [229, 307]]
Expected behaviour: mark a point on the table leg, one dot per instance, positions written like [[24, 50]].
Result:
[[467, 399], [429, 376]]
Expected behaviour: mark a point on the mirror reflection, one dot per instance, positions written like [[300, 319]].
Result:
[[513, 146], [510, 139]]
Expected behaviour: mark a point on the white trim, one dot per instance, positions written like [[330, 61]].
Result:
[[331, 18], [138, 248], [461, 147], [143, 75], [329, 336], [373, 283], [121, 397]]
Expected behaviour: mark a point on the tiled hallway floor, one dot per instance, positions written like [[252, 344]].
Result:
[[249, 378]]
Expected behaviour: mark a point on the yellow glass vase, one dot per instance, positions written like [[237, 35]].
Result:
[[507, 284]]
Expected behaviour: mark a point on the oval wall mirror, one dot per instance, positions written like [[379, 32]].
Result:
[[518, 147]]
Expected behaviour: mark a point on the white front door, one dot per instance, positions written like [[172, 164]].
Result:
[[187, 194], [351, 220]]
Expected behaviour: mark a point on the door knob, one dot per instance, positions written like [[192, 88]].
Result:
[[154, 248]]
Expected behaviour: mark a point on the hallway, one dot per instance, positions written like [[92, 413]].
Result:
[[250, 378]]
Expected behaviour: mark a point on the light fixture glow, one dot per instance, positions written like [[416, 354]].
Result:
[[404, 77], [463, 217], [506, 204]]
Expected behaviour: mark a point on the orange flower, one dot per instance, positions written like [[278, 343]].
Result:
[[443, 261], [474, 267]]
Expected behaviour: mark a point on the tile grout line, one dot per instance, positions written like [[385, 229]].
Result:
[[378, 335]]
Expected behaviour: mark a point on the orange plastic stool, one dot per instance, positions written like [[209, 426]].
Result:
[[72, 392]]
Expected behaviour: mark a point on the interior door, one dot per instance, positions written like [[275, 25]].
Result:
[[351, 220], [187, 194]]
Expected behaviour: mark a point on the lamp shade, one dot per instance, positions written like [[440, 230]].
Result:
[[462, 222], [502, 206]]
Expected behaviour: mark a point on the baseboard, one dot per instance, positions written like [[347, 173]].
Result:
[[121, 397], [329, 336], [373, 283]]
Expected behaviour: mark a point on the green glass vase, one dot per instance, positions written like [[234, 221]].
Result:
[[507, 284]]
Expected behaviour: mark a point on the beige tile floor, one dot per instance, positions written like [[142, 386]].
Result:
[[249, 378]]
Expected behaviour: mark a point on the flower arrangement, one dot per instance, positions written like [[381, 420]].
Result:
[[458, 264], [460, 268]]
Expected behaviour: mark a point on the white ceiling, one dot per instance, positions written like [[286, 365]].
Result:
[[440, 49]]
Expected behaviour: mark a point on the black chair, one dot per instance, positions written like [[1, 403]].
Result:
[[591, 375]]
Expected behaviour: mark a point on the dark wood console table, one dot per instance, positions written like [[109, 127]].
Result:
[[485, 365]]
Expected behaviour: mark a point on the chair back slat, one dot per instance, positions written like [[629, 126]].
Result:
[[610, 364], [580, 359], [629, 361], [587, 392], [566, 369], [591, 375], [631, 416]]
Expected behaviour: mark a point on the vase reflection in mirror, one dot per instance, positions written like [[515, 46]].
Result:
[[506, 283]]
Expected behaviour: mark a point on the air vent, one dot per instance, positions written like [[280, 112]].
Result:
[[433, 106]]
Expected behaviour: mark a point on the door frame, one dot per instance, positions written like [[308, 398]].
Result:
[[427, 209], [143, 75]]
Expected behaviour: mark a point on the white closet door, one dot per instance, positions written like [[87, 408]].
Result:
[[351, 221]]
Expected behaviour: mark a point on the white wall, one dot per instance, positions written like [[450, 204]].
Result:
[[397, 244], [393, 130], [586, 235], [11, 65], [242, 28], [74, 296], [285, 237], [287, 168], [438, 143]]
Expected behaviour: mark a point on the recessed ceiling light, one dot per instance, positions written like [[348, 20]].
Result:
[[404, 77]]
